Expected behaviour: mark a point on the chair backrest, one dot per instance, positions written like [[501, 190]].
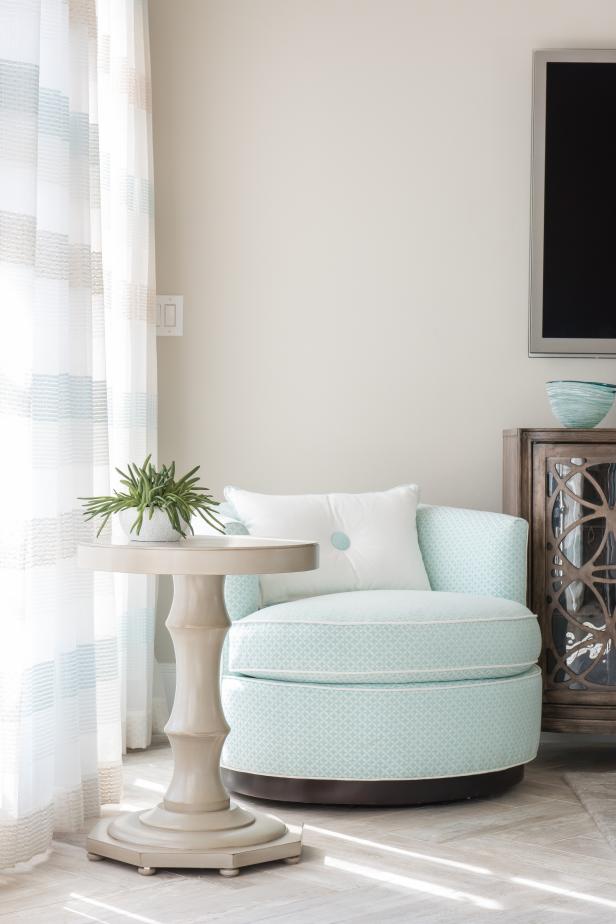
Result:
[[464, 551]]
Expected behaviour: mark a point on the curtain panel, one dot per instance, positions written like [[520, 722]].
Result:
[[77, 398]]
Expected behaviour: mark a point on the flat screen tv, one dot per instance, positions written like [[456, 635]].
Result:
[[573, 234]]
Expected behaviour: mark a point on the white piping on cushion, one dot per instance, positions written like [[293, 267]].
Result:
[[247, 623], [419, 670], [531, 674]]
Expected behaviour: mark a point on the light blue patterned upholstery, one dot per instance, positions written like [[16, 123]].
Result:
[[473, 551], [401, 731], [242, 595], [386, 636], [327, 718]]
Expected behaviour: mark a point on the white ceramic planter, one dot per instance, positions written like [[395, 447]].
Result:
[[158, 529]]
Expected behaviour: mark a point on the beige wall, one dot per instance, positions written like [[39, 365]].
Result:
[[342, 197]]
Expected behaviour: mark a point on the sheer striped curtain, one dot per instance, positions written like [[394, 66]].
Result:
[[77, 397]]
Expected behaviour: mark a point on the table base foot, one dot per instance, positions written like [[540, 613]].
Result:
[[228, 859]]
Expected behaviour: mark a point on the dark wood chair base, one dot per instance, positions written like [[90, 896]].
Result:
[[372, 792]]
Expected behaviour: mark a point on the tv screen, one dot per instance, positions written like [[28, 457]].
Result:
[[573, 288]]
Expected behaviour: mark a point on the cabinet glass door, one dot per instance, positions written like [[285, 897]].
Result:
[[579, 583]]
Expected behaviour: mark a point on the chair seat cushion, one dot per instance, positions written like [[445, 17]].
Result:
[[386, 636]]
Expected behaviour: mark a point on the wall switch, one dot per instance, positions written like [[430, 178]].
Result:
[[169, 315]]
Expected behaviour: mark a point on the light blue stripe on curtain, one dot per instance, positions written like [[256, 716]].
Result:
[[54, 397]]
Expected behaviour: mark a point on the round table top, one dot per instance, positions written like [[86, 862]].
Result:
[[201, 555]]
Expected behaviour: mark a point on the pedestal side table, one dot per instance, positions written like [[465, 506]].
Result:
[[196, 825]]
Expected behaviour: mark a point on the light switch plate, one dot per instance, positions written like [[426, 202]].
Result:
[[169, 315]]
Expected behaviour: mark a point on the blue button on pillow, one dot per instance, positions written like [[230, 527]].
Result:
[[340, 541]]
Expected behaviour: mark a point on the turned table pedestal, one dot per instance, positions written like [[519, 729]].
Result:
[[196, 824]]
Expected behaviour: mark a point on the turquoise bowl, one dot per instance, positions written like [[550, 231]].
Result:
[[580, 404]]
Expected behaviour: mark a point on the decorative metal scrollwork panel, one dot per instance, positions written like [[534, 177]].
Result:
[[579, 631]]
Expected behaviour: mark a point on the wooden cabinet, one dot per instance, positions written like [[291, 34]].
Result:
[[564, 483]]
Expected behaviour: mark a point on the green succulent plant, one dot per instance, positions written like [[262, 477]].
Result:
[[149, 489]]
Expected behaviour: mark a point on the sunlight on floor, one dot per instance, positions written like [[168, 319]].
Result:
[[455, 864], [105, 907], [82, 914], [567, 893], [116, 808], [417, 885], [442, 891], [149, 785]]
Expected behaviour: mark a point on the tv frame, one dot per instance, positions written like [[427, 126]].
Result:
[[538, 344]]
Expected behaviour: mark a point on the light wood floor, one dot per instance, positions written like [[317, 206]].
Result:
[[531, 856]]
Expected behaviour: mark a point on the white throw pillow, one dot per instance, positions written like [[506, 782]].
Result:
[[367, 541]]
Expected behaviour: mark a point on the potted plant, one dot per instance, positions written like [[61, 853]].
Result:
[[155, 507]]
